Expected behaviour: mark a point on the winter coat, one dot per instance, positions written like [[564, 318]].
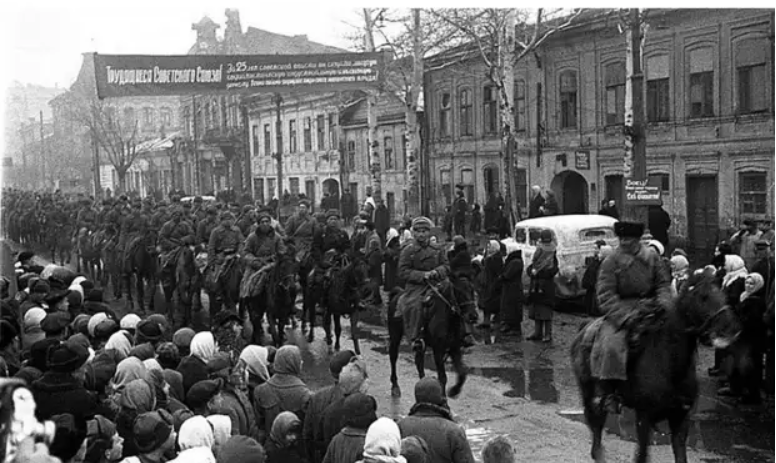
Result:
[[542, 291], [282, 393], [625, 281], [750, 312], [382, 220], [347, 446], [193, 370], [476, 224], [239, 409], [56, 393], [491, 293], [391, 259], [533, 207], [312, 432], [375, 271], [659, 222], [512, 285], [446, 440], [415, 260]]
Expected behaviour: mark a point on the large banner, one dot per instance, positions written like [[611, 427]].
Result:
[[141, 75]]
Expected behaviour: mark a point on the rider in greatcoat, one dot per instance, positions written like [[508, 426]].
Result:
[[225, 241], [633, 283], [420, 264]]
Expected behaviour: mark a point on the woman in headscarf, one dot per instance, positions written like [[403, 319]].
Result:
[[127, 371], [137, 397], [120, 343], [196, 440], [680, 273], [254, 362], [383, 443], [733, 281], [749, 348], [222, 431], [193, 367], [285, 440], [391, 259], [348, 445], [542, 271], [284, 392], [490, 297]]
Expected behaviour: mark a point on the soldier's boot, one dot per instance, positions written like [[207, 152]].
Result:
[[547, 331], [538, 329]]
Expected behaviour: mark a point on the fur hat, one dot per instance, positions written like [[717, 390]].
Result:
[[152, 429], [67, 357], [628, 229], [429, 390], [339, 360], [332, 213], [420, 222]]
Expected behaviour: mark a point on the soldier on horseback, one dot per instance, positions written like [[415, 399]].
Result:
[[175, 233], [206, 226], [633, 287], [87, 217], [330, 245], [301, 228], [134, 229], [421, 264], [223, 251]]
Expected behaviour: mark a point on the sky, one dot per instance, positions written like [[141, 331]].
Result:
[[43, 41]]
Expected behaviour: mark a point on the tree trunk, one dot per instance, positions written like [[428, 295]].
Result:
[[371, 108], [412, 128], [121, 175], [506, 71]]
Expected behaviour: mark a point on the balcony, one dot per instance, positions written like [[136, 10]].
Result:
[[230, 137]]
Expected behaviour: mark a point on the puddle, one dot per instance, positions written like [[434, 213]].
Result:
[[741, 434]]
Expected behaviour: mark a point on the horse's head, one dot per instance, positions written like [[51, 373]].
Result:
[[703, 306]]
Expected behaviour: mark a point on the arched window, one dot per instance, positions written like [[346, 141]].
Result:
[[445, 102], [701, 82], [658, 89], [568, 100], [465, 105], [490, 109], [390, 162]]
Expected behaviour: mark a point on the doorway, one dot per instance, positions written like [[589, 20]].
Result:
[[490, 175], [570, 190], [390, 199], [702, 216]]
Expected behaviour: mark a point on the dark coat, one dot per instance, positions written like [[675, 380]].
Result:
[[193, 370], [461, 262], [512, 288], [282, 393], [751, 312], [312, 432], [391, 259], [375, 271], [382, 220], [659, 221], [490, 297], [284, 455], [551, 206], [446, 440], [533, 207], [733, 291], [542, 292], [347, 446], [476, 224], [239, 409], [348, 205], [57, 393]]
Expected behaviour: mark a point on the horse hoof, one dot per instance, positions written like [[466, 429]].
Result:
[[454, 391], [395, 391], [328, 341]]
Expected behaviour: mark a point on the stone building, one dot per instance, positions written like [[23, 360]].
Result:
[[708, 82]]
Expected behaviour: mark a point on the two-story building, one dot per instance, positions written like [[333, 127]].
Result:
[[708, 81]]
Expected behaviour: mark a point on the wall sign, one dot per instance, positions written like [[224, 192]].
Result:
[[582, 160], [642, 192]]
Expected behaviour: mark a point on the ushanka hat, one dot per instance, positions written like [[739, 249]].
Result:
[[421, 222], [628, 229], [304, 202], [264, 214], [332, 213]]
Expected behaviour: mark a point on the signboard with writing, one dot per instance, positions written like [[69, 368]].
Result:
[[642, 192], [582, 160], [140, 75]]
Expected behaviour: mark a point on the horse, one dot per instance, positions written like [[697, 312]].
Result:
[[661, 368], [178, 278], [140, 262], [89, 253], [443, 333], [346, 287], [280, 293]]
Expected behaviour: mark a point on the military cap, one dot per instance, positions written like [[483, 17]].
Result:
[[304, 202], [629, 229], [332, 213], [422, 222], [264, 213]]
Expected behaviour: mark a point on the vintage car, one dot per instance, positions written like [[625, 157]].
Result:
[[574, 237], [205, 199]]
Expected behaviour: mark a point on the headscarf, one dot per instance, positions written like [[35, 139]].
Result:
[[157, 381], [222, 430], [127, 371], [759, 282], [255, 358], [383, 443], [94, 321], [196, 432], [392, 233], [152, 364], [119, 342], [282, 425], [288, 361], [203, 346], [138, 395], [735, 268], [658, 247], [33, 318], [679, 267], [493, 247]]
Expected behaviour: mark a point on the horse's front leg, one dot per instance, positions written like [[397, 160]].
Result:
[[679, 425], [595, 415], [460, 371], [395, 335], [354, 331], [327, 325], [439, 363], [643, 435], [337, 331], [140, 287]]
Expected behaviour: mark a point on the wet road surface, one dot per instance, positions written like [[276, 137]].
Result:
[[527, 391]]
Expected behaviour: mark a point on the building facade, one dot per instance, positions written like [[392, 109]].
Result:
[[708, 82]]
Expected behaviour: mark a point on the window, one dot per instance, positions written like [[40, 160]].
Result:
[[215, 114], [332, 138], [467, 181], [535, 233], [490, 109], [568, 100], [664, 180], [308, 134], [255, 138], [595, 234], [751, 71], [465, 104], [702, 83], [148, 118], [447, 190], [444, 115], [166, 117], [187, 120], [351, 154], [521, 185], [404, 143], [658, 96], [520, 121], [320, 129], [292, 136], [258, 190], [272, 189], [267, 140], [293, 183], [388, 149], [615, 94], [753, 193], [129, 119]]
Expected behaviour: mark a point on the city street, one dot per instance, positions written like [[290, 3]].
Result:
[[527, 391]]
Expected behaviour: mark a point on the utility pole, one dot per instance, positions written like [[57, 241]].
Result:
[[635, 160], [96, 166], [194, 166], [278, 100]]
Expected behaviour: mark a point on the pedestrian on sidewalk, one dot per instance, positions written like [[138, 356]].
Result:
[[542, 293], [512, 295], [476, 225]]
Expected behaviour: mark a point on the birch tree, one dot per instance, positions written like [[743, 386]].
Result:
[[502, 38]]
